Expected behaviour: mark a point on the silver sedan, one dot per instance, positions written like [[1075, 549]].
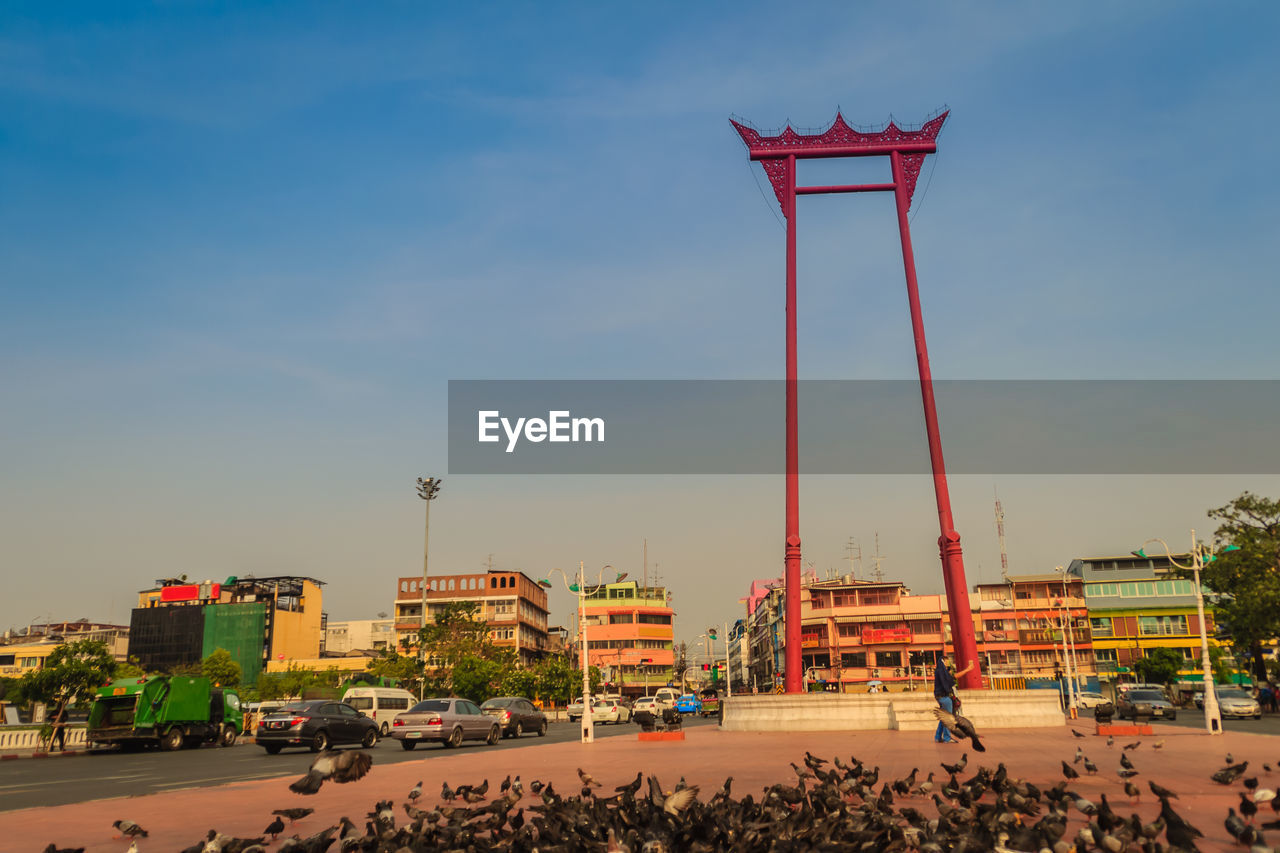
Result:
[[448, 721]]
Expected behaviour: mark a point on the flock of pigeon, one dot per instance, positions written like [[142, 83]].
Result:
[[830, 806]]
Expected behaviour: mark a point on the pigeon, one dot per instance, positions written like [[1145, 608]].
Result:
[[958, 767], [1079, 756], [1228, 775], [448, 794], [1078, 733], [959, 727], [293, 814], [341, 767], [1133, 791], [416, 791], [1069, 771], [1125, 762], [1134, 745], [587, 778], [678, 801], [1111, 741], [1248, 808], [274, 828], [1158, 744], [129, 829], [53, 848], [1090, 766], [1126, 773], [1161, 791], [505, 786]]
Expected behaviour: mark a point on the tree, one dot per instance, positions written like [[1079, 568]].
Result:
[[1248, 578], [1160, 666], [403, 668], [220, 669], [554, 679], [70, 673]]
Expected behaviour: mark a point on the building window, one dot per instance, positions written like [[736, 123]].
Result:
[[1161, 625], [653, 619], [884, 659], [621, 619], [1100, 627], [1104, 655]]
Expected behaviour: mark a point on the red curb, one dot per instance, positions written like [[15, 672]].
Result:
[[9, 757], [39, 755]]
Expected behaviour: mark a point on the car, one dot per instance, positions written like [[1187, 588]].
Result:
[[666, 697], [647, 704], [1235, 702], [611, 710], [1145, 703], [316, 724], [449, 720], [1090, 700], [689, 704], [516, 715]]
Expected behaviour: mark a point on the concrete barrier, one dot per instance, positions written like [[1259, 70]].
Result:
[[29, 738], [809, 712]]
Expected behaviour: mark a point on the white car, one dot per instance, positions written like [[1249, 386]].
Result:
[[610, 711], [1089, 701], [648, 703]]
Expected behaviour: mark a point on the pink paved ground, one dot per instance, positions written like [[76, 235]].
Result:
[[177, 819]]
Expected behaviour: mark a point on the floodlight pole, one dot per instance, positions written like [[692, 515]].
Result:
[[906, 150], [428, 490]]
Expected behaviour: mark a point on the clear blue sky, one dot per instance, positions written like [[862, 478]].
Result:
[[243, 250]]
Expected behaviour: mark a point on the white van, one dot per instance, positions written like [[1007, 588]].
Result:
[[666, 697], [380, 703]]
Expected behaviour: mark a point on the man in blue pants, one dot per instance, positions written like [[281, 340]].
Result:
[[944, 687]]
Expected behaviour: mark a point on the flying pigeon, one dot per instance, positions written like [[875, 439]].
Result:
[[341, 767], [293, 814]]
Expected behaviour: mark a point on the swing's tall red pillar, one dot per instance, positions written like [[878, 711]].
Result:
[[906, 150]]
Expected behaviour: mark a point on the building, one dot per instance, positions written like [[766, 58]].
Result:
[[510, 603], [22, 652], [764, 634], [1136, 604], [630, 635], [366, 635], [257, 620], [1021, 631]]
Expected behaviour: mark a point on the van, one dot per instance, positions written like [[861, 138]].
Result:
[[666, 697], [380, 703]]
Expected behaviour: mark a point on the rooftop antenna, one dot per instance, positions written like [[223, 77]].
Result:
[[854, 550], [646, 564], [489, 563], [879, 575], [1004, 554]]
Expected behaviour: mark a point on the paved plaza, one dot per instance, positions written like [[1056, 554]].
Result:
[[177, 819]]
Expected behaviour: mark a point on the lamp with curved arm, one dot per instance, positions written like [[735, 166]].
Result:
[[579, 589], [1212, 713]]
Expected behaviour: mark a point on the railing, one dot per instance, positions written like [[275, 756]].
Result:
[[29, 738], [1049, 635]]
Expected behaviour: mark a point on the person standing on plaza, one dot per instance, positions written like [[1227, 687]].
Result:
[[944, 689]]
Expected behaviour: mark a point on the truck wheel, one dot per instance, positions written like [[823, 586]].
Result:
[[320, 742], [171, 740], [370, 739], [228, 737]]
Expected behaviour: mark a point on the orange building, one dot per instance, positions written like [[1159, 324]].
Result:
[[510, 603], [630, 636]]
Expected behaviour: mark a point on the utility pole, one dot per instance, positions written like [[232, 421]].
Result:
[[1004, 554]]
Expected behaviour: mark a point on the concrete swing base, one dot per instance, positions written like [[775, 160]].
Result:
[[653, 736], [911, 711], [1123, 730]]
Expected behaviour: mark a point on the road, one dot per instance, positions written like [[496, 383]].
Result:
[[1194, 718], [102, 775]]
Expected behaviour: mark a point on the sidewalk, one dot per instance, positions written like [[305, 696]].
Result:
[[755, 760]]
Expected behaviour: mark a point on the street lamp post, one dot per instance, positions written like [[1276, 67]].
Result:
[[1069, 647], [1212, 713], [428, 490], [580, 590]]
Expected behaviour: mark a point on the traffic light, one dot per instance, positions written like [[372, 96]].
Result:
[[711, 632], [706, 667]]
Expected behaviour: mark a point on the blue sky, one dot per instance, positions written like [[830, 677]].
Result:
[[242, 250]]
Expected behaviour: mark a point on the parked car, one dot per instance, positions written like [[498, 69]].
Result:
[[516, 715], [449, 721], [1235, 702], [316, 724], [1090, 700], [612, 710], [689, 704], [1145, 703]]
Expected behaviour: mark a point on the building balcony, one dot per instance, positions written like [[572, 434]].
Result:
[[1048, 636]]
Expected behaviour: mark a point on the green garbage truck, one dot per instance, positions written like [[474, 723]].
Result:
[[168, 711]]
